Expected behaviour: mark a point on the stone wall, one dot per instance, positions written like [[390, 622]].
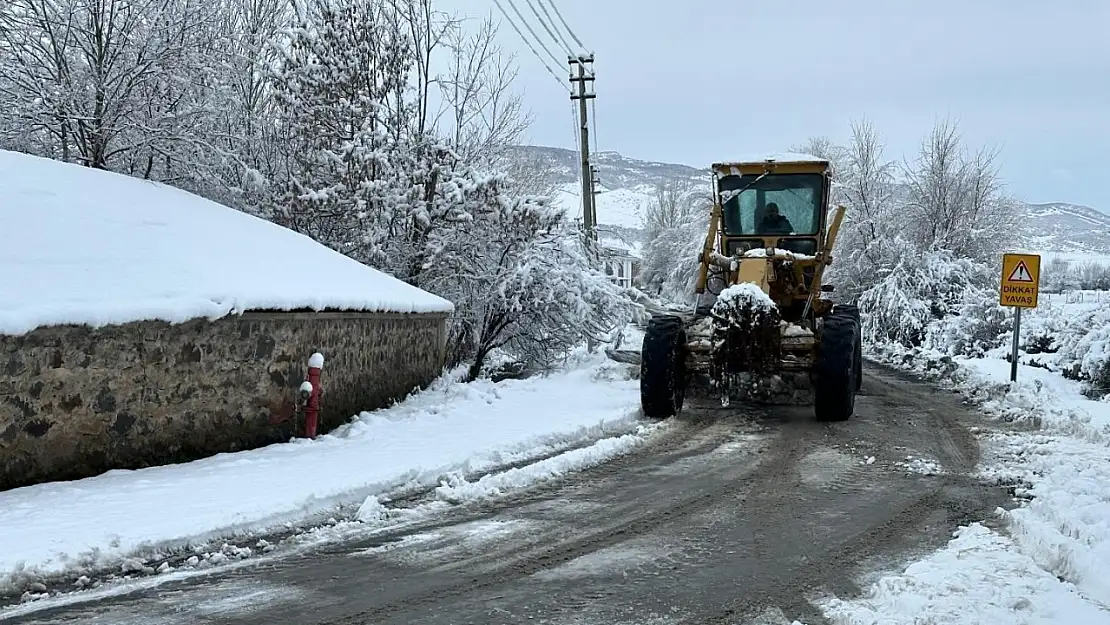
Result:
[[77, 401]]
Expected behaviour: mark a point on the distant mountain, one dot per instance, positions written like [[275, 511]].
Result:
[[615, 171], [1068, 228], [629, 184]]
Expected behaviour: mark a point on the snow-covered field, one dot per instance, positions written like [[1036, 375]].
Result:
[[1075, 257], [95, 247], [1049, 561], [132, 521]]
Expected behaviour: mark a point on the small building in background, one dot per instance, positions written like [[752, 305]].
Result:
[[621, 259], [143, 325]]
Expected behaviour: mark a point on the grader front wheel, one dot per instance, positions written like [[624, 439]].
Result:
[[663, 368], [838, 366], [853, 312]]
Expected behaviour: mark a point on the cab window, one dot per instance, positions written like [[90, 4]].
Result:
[[777, 204]]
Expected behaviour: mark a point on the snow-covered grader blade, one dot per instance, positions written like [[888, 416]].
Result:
[[762, 329]]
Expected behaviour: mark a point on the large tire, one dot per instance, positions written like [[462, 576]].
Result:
[[859, 357], [853, 311], [859, 361], [663, 368], [838, 366]]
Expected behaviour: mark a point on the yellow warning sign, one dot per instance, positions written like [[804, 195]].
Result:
[[1021, 280]]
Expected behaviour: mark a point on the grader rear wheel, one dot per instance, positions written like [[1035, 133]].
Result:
[[663, 368]]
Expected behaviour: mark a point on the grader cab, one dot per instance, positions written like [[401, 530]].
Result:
[[762, 327]]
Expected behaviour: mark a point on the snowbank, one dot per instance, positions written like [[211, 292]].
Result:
[[448, 429], [1070, 334], [94, 247], [1051, 560], [980, 578]]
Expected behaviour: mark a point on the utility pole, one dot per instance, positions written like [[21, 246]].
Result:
[[589, 217]]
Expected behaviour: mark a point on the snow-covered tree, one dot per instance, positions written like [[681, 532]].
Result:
[[342, 63], [675, 225], [243, 132], [869, 243], [1058, 275], [824, 147], [675, 202], [955, 199], [99, 80], [519, 273], [484, 115], [527, 174]]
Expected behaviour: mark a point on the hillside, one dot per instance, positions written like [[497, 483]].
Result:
[[1068, 228], [627, 184]]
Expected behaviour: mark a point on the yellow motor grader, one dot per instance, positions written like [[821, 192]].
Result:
[[767, 331]]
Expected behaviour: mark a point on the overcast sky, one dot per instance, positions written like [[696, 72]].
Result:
[[693, 81]]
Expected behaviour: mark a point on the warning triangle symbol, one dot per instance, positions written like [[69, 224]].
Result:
[[1020, 273]]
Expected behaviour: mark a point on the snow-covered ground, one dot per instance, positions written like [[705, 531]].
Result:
[[95, 247], [132, 521], [1049, 559]]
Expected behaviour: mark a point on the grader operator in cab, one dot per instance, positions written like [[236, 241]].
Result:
[[761, 326]]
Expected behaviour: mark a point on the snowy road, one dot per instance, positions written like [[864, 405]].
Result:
[[730, 517]]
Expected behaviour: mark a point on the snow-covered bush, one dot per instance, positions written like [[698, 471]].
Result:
[[919, 291], [979, 325], [1082, 341]]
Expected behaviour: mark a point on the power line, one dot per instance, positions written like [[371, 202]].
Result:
[[529, 27], [555, 7], [593, 114], [574, 121], [566, 46], [556, 38], [577, 144], [529, 44]]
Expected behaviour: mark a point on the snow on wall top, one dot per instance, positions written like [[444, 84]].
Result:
[[93, 247]]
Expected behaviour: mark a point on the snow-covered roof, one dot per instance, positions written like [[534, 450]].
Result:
[[612, 243], [617, 244], [778, 157], [93, 247]]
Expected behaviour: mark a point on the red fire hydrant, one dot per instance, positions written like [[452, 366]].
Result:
[[311, 387]]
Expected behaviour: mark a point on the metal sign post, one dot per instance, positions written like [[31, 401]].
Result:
[[1021, 283]]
